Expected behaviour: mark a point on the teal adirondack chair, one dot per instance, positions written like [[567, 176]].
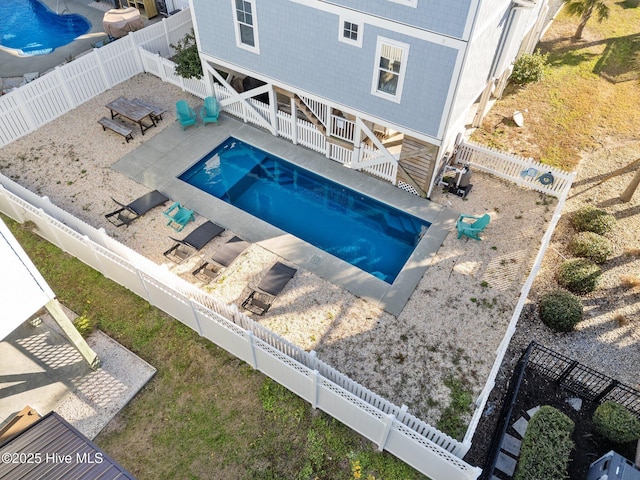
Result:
[[185, 114], [472, 229], [210, 111], [178, 216]]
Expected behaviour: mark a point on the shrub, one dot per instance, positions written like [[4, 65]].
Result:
[[560, 310], [547, 444], [591, 245], [579, 275], [591, 219], [529, 67], [187, 58], [614, 422]]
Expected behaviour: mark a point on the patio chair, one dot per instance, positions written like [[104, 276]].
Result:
[[194, 242], [473, 229], [210, 111], [220, 260], [128, 213], [185, 114], [261, 297], [178, 216]]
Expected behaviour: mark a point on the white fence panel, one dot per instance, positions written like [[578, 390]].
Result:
[[171, 302], [285, 122], [525, 172], [45, 99], [83, 78], [340, 154], [119, 60], [310, 137], [176, 27], [13, 121]]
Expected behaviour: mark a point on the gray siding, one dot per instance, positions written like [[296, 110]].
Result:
[[304, 52], [448, 17]]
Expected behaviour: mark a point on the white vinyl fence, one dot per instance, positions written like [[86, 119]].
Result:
[[525, 172], [391, 427]]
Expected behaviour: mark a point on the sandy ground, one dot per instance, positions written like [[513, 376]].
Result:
[[450, 328]]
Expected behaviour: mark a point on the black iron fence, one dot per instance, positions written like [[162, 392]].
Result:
[[571, 375], [580, 379]]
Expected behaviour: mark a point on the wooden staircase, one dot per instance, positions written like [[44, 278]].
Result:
[[310, 115]]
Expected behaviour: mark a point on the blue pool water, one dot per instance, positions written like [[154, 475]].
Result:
[[366, 233], [29, 26]]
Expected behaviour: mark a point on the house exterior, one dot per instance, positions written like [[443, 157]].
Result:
[[385, 81]]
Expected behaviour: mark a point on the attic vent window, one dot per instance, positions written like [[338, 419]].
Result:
[[350, 31]]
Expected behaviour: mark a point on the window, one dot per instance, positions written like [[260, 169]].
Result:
[[350, 31], [245, 25], [389, 71]]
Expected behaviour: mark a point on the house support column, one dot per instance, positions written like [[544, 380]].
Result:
[[294, 121], [61, 318]]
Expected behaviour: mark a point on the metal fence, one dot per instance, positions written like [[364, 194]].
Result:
[[582, 380], [390, 427]]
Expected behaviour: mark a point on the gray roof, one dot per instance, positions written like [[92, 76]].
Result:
[[53, 449]]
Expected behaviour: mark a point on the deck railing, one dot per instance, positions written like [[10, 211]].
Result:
[[391, 427]]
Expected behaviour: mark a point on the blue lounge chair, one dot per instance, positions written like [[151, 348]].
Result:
[[210, 111], [185, 114], [178, 216], [473, 229]]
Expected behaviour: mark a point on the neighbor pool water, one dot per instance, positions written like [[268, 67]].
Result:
[[368, 234], [30, 27]]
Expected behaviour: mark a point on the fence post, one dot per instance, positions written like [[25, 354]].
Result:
[[18, 214], [196, 317], [315, 382], [294, 122], [133, 43], [102, 69], [567, 371], [252, 349], [58, 71], [614, 383], [24, 108], [388, 423]]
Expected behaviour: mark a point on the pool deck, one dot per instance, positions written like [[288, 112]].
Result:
[[159, 161]]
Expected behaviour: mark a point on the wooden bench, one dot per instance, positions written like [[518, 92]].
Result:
[[156, 111], [116, 127]]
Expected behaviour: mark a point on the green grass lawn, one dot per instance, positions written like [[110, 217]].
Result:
[[588, 98], [205, 414]]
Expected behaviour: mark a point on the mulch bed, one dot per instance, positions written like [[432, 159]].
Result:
[[536, 390]]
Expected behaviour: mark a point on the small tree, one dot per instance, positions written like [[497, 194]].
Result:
[[187, 59], [585, 9]]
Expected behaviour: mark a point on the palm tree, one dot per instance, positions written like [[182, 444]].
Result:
[[584, 9]]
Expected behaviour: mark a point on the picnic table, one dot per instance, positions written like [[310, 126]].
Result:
[[133, 111]]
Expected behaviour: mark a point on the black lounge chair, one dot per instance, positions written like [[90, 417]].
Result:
[[261, 298], [220, 260], [195, 241], [128, 213]]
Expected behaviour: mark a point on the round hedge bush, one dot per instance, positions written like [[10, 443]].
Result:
[[560, 310], [591, 245], [579, 275], [591, 219], [614, 422]]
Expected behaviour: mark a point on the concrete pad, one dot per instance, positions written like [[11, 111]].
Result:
[[41, 369], [506, 464], [532, 411], [511, 444], [520, 426], [575, 403]]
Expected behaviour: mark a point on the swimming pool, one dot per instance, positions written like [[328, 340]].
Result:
[[368, 234], [31, 28]]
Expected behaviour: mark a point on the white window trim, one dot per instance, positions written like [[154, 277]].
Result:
[[401, 74], [359, 23], [408, 3], [236, 26]]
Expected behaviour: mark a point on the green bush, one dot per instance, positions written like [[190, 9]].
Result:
[[560, 310], [547, 444], [579, 275], [591, 219], [614, 422], [591, 245], [529, 67], [187, 58]]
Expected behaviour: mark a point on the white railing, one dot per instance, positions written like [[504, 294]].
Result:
[[27, 108], [342, 128], [392, 428], [525, 172], [319, 109], [340, 154], [373, 161]]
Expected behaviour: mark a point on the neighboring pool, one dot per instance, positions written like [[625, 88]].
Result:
[[366, 233], [30, 27]]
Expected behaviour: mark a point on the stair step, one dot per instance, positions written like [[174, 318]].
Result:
[[532, 411], [506, 464], [520, 426]]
